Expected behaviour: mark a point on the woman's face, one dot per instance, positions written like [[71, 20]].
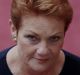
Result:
[[39, 41]]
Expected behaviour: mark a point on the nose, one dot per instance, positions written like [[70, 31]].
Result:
[[43, 50]]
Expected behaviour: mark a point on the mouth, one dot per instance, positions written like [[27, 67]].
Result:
[[42, 60]]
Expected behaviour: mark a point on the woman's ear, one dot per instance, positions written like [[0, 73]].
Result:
[[13, 30]]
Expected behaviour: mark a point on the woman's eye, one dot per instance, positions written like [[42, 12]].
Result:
[[54, 38], [32, 38]]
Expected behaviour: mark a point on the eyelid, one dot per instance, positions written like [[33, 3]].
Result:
[[32, 38], [54, 39], [28, 36]]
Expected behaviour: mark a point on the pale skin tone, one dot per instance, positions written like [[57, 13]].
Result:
[[38, 50]]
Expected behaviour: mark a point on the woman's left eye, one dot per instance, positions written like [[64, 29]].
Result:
[[54, 38]]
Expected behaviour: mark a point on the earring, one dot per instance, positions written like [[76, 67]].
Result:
[[14, 37]]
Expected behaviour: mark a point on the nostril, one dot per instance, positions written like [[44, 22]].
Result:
[[43, 52], [42, 49]]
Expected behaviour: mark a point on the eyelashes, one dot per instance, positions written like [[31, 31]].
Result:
[[32, 38], [54, 38]]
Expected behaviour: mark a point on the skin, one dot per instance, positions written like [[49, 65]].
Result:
[[38, 51]]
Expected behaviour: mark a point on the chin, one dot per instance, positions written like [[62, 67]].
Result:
[[39, 67]]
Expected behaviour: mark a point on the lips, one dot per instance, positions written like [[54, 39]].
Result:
[[42, 59]]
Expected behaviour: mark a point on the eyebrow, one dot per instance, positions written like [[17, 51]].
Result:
[[49, 35], [31, 32], [56, 33]]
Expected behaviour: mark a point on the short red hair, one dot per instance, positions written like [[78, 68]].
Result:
[[57, 8]]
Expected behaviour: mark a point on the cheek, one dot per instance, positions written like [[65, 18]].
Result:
[[56, 49], [24, 45], [25, 49], [60, 44]]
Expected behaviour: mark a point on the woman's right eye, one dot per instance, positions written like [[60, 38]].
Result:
[[32, 38]]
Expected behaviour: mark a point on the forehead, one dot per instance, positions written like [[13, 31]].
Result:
[[41, 24]]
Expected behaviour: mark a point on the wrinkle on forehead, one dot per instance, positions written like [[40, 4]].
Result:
[[42, 25]]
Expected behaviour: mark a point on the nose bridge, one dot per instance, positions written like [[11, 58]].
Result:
[[43, 48]]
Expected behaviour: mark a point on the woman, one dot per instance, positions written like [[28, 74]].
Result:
[[38, 27]]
